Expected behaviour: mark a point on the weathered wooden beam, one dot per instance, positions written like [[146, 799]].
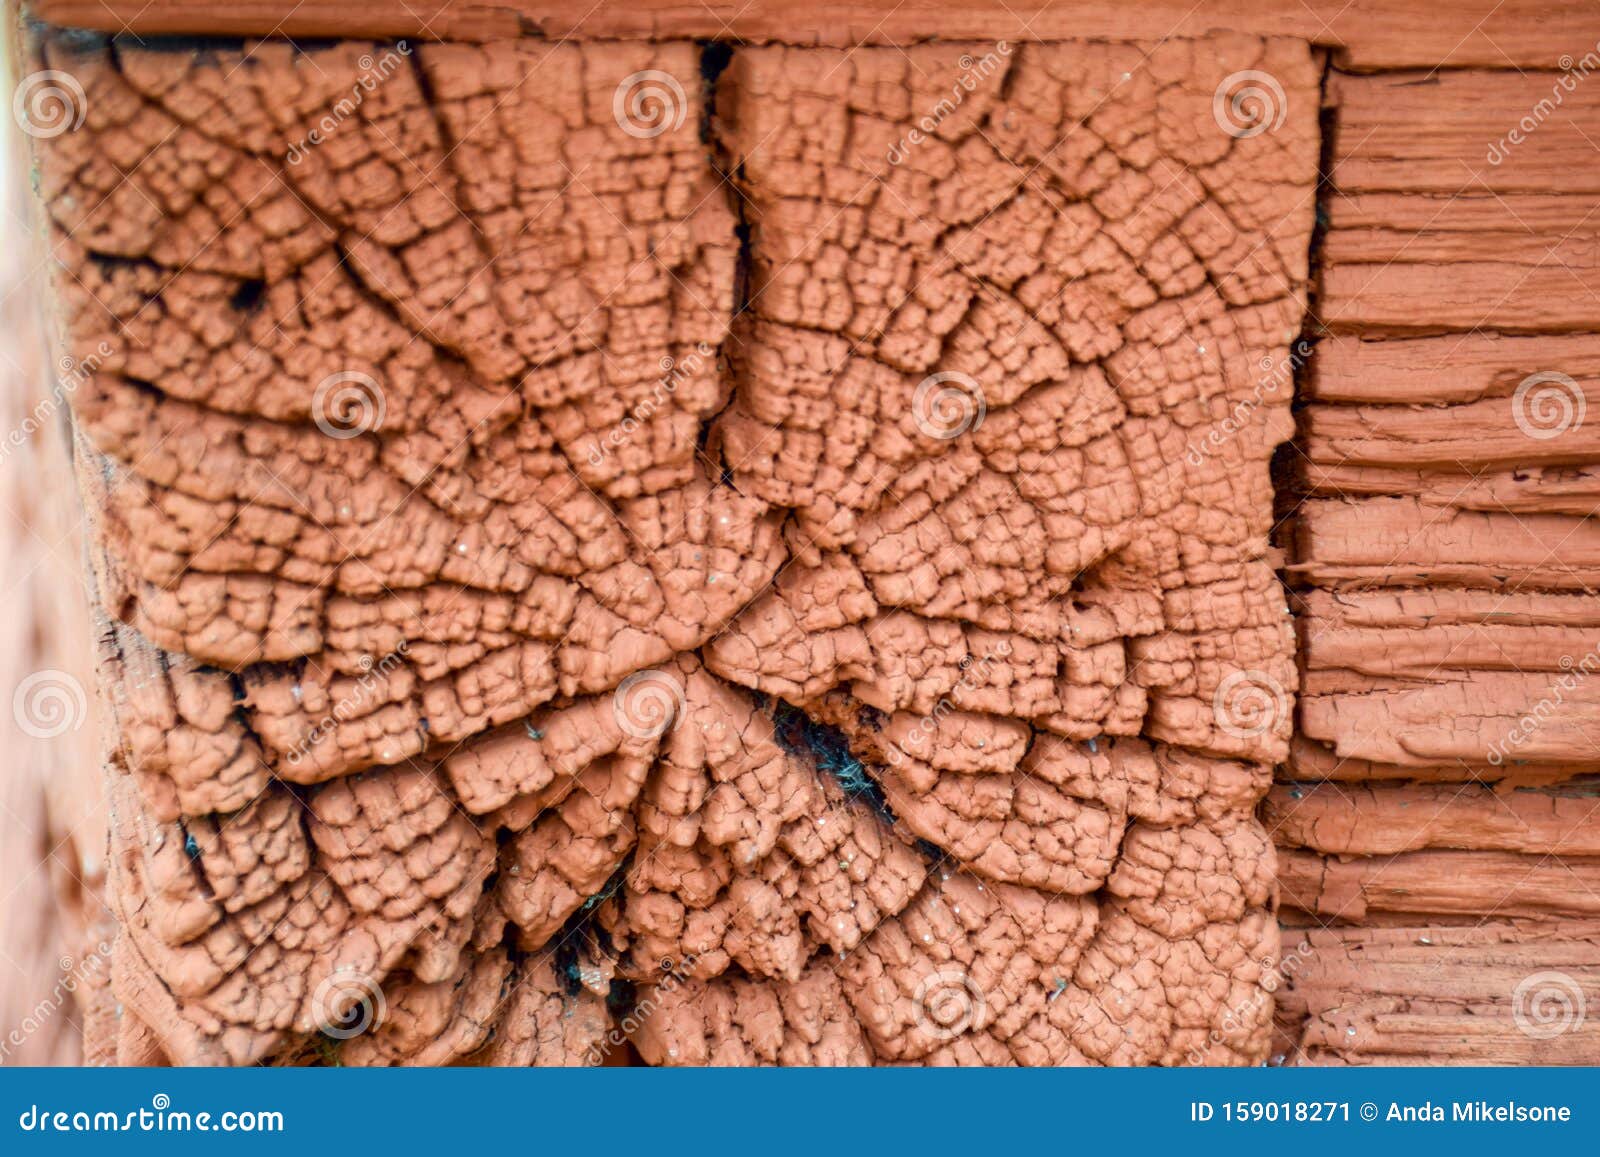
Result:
[[1369, 34]]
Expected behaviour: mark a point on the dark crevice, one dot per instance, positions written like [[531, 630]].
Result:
[[579, 942], [828, 749], [715, 57], [204, 49], [109, 263], [247, 298], [1287, 494], [197, 868]]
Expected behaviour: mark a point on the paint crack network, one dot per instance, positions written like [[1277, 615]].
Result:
[[604, 557]]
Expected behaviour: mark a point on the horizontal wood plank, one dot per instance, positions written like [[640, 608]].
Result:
[[1426, 994], [1471, 131], [1387, 820], [1439, 370], [1369, 34]]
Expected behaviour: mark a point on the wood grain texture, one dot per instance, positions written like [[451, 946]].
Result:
[[1369, 34], [1421, 994], [1446, 480], [1464, 201]]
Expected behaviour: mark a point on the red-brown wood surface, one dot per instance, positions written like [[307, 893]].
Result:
[[1370, 33]]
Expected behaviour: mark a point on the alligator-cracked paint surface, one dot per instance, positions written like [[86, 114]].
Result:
[[618, 546]]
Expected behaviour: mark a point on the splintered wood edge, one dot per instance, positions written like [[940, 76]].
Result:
[[1369, 34]]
